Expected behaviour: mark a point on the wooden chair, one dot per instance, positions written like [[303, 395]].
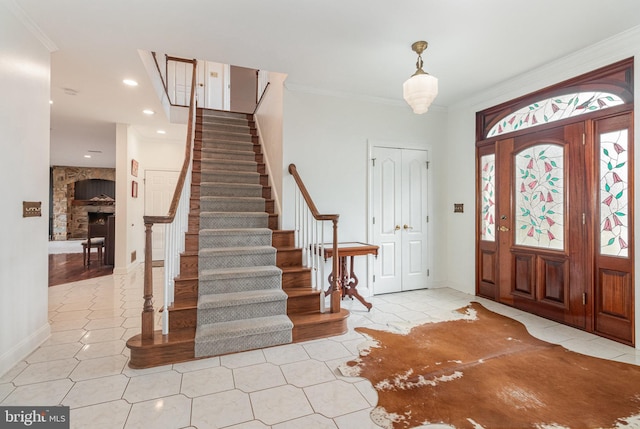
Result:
[[95, 240]]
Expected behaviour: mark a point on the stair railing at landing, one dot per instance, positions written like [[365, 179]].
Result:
[[176, 223], [309, 229]]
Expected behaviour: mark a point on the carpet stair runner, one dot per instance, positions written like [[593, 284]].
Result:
[[241, 282], [241, 304]]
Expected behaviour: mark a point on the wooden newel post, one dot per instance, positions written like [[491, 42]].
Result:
[[147, 311], [336, 289]]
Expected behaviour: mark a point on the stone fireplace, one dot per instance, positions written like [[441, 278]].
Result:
[[80, 196]]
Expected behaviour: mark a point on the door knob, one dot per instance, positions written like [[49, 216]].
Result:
[[407, 226], [397, 228], [503, 228]]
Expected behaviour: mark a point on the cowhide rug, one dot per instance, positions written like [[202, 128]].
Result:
[[484, 370]]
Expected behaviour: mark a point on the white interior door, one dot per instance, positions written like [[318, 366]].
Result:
[[159, 189], [399, 202], [214, 84], [414, 219]]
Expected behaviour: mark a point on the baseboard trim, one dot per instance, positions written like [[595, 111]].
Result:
[[24, 348]]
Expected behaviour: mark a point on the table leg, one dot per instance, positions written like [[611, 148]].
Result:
[[350, 282]]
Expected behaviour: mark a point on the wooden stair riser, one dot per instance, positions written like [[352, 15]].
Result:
[[270, 206], [266, 192], [307, 303], [181, 318], [191, 242], [189, 265], [289, 257], [176, 347], [320, 326], [297, 278], [273, 221], [185, 289], [283, 238]]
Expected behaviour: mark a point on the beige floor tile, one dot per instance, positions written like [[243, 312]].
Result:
[[221, 409], [109, 415], [280, 404]]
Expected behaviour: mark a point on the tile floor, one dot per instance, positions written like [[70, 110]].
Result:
[[84, 365]]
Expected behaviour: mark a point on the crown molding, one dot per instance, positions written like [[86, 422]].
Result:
[[294, 87], [615, 48], [30, 24]]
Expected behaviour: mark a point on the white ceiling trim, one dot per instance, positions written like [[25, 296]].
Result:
[[616, 48], [294, 87], [30, 25]]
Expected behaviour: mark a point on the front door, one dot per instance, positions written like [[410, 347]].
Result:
[[541, 218], [399, 200], [555, 224]]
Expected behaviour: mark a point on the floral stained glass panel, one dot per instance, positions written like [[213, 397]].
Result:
[[614, 193], [488, 174], [554, 109], [539, 196]]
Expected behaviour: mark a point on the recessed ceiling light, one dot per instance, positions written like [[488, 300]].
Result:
[[161, 132], [87, 156], [50, 101], [148, 112], [130, 82]]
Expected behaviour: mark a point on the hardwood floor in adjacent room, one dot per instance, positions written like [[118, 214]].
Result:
[[68, 267]]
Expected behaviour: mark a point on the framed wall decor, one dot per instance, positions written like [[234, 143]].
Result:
[[134, 168], [134, 189]]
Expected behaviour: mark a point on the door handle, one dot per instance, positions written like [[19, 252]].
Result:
[[503, 228], [407, 226], [397, 228]]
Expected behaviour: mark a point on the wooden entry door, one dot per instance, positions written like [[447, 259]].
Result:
[[542, 215], [555, 224]]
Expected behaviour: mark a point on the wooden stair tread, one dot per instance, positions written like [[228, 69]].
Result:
[[295, 269], [313, 325], [177, 346], [313, 318], [186, 304], [300, 291]]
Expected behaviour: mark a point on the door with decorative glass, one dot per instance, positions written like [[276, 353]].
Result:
[[554, 205], [545, 224]]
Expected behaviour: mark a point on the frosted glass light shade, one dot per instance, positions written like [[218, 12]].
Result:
[[419, 91]]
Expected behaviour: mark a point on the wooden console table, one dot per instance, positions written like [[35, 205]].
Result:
[[348, 278]]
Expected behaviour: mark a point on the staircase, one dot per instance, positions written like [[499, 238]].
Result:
[[242, 285]]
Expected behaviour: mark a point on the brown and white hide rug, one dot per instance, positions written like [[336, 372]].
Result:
[[484, 370]]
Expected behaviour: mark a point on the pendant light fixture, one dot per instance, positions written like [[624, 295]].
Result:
[[420, 89]]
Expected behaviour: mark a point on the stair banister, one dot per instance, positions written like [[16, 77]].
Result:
[[176, 223], [313, 242]]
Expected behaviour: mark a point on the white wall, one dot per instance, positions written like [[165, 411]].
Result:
[[24, 176], [269, 122], [461, 147], [151, 154], [327, 138]]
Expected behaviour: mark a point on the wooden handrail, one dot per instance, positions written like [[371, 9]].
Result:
[[164, 83], [307, 198], [185, 165], [336, 287], [148, 310]]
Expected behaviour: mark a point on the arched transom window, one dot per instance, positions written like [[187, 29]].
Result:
[[554, 109]]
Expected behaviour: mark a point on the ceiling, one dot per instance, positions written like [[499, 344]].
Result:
[[355, 47]]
